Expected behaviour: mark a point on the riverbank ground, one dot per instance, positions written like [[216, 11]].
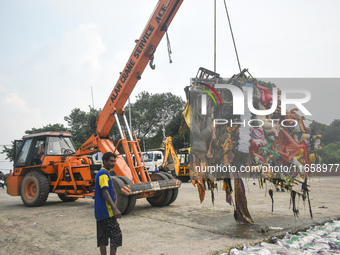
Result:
[[184, 227]]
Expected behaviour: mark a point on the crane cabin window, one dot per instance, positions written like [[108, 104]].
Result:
[[23, 153], [60, 146]]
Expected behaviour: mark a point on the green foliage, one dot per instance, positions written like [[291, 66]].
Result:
[[79, 123], [148, 110], [178, 140], [80, 126], [9, 152], [330, 153], [154, 141], [332, 133], [148, 114], [49, 127], [330, 141], [318, 128]]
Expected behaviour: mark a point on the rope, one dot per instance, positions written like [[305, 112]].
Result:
[[232, 35], [169, 46]]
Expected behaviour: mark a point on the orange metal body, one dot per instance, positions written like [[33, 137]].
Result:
[[65, 168], [13, 185]]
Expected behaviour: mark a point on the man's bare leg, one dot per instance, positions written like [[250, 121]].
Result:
[[113, 250], [102, 250]]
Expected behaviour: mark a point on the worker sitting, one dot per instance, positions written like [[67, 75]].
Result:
[[40, 156]]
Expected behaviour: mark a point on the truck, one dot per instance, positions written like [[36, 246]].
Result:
[[49, 162], [153, 159]]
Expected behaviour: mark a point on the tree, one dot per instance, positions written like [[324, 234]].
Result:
[[330, 153], [150, 109], [9, 151], [330, 141], [49, 127], [332, 133], [79, 123], [80, 126], [179, 140]]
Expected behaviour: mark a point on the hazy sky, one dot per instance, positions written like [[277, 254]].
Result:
[[53, 52]]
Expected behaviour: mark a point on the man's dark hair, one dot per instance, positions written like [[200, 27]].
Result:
[[108, 155]]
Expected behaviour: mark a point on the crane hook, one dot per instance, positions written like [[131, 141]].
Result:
[[153, 67], [151, 52]]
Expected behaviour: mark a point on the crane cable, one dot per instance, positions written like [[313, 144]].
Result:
[[169, 46], [232, 35]]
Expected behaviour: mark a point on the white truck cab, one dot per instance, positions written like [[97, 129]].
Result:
[[153, 159]]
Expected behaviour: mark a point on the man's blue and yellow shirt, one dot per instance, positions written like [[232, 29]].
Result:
[[102, 209]]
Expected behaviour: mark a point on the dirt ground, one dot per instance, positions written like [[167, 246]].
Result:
[[185, 227]]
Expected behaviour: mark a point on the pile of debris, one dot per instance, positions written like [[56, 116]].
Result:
[[317, 240]]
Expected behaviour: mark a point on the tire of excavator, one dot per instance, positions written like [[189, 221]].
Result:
[[34, 189]]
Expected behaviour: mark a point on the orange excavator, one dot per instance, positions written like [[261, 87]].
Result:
[[178, 164], [49, 163]]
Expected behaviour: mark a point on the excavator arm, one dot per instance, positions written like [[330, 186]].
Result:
[[171, 161]]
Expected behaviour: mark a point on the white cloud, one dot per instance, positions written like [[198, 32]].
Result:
[[82, 47], [58, 75], [16, 117], [3, 82], [74, 59]]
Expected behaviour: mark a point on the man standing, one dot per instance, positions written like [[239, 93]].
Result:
[[2, 183], [106, 211]]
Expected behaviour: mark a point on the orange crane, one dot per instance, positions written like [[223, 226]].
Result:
[[48, 162]]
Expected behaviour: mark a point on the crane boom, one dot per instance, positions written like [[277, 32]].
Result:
[[142, 53]]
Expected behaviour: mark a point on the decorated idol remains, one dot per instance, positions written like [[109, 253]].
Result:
[[242, 128]]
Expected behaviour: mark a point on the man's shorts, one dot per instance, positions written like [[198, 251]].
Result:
[[109, 228]]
